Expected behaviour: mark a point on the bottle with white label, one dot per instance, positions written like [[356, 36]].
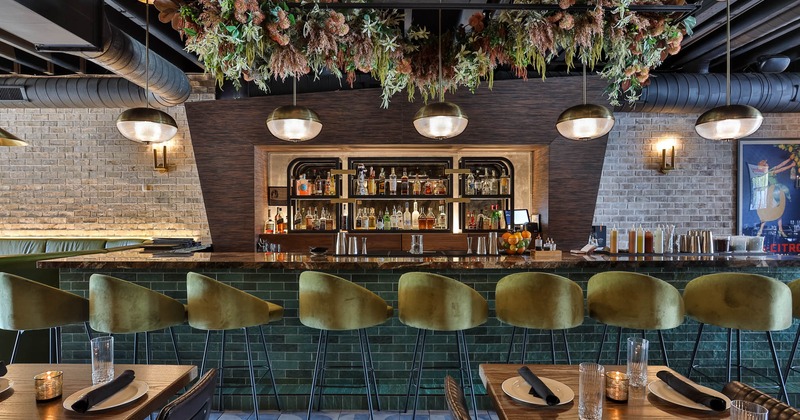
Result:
[[415, 217], [407, 218]]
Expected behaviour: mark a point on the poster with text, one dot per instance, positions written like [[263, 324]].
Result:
[[769, 193]]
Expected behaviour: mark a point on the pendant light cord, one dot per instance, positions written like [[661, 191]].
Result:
[[441, 83], [584, 83], [728, 55], [147, 55]]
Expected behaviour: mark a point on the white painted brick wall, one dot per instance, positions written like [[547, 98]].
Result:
[[80, 177], [699, 194]]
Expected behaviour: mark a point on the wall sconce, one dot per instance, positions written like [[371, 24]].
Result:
[[667, 166], [160, 166]]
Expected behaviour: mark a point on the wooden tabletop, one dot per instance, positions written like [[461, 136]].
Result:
[[164, 381], [640, 404]]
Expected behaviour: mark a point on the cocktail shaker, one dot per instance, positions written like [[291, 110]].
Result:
[[341, 243]]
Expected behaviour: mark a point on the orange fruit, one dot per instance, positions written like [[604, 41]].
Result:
[[513, 240], [506, 235], [526, 234], [521, 250]]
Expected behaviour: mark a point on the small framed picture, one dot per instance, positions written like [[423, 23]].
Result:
[[278, 196]]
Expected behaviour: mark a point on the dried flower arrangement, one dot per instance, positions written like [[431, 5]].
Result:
[[257, 40]]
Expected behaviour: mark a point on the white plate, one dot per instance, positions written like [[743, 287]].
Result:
[[519, 390], [5, 385], [128, 394], [661, 390]]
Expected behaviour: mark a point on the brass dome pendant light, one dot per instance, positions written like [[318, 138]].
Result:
[[440, 120], [147, 125], [586, 121], [8, 139], [294, 123], [728, 122]]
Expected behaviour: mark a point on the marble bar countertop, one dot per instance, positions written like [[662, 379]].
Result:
[[137, 260]]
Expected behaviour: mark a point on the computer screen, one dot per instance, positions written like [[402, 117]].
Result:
[[521, 216]]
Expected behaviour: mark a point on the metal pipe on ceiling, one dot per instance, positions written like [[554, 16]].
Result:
[[75, 92]]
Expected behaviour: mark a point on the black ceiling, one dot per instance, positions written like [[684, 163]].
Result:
[[760, 29]]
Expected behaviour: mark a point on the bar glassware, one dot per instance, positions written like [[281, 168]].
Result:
[[591, 391], [637, 361], [102, 359]]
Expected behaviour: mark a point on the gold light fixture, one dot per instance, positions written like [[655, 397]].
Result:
[[294, 123], [665, 165], [440, 120], [147, 125], [8, 139], [160, 166], [586, 121], [728, 122]]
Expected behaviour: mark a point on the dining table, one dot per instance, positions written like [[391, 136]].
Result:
[[19, 400], [641, 404]]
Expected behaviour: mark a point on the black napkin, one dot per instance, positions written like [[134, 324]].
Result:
[[538, 388], [3, 369], [690, 392], [102, 393]]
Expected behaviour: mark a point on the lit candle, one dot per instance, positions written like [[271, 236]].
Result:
[[48, 385], [617, 386]]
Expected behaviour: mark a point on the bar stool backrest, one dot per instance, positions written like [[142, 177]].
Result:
[[29, 305], [794, 286], [214, 305], [434, 302], [195, 404], [634, 300], [539, 300], [328, 302], [739, 301], [118, 306]]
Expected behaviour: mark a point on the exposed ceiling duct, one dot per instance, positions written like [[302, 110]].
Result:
[[117, 51], [72, 92], [694, 93]]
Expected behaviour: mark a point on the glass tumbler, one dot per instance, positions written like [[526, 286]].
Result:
[[746, 410], [591, 391], [637, 361], [102, 359]]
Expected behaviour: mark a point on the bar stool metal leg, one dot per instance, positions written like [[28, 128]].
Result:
[[269, 367], [602, 342], [511, 344], [221, 370], [619, 343], [365, 364], [791, 356], [205, 354], [553, 346], [663, 348], [694, 351], [566, 346], [175, 345], [469, 373], [784, 394], [413, 366], [252, 372], [315, 375], [372, 371], [524, 344], [322, 370], [729, 355], [419, 374]]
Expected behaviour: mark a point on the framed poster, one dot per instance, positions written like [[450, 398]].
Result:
[[769, 193], [278, 196]]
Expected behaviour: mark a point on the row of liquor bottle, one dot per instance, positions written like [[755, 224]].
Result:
[[317, 184], [488, 219], [416, 219], [367, 183], [276, 225], [657, 241], [311, 219], [486, 184]]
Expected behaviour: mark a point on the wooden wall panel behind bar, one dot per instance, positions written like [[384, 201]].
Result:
[[515, 112]]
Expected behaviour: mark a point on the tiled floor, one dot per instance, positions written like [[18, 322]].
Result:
[[343, 415]]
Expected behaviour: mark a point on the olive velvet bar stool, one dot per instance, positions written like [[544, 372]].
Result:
[[215, 306], [118, 306], [331, 303], [29, 305], [739, 301], [431, 302], [636, 301], [541, 301]]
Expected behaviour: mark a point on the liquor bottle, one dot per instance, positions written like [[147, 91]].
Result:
[[416, 188], [469, 187], [319, 185], [487, 183], [301, 187], [372, 221], [493, 189], [365, 220], [316, 220], [392, 183], [309, 219], [382, 182], [658, 240], [537, 244], [379, 221], [280, 223], [487, 220], [372, 188], [404, 190], [269, 226], [330, 185], [648, 242], [323, 219], [640, 240], [415, 217], [361, 181], [505, 184], [427, 189], [440, 187], [495, 217], [471, 222], [422, 221], [407, 218], [441, 220], [357, 220], [387, 220], [299, 220], [613, 244]]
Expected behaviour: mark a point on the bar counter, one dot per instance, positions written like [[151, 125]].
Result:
[[434, 261], [274, 277]]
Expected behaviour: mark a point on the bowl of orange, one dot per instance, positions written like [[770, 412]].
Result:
[[514, 243]]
